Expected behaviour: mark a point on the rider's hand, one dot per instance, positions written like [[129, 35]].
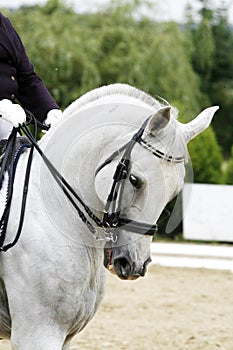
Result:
[[11, 112], [53, 117]]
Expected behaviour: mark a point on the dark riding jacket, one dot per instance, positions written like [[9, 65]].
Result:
[[18, 80]]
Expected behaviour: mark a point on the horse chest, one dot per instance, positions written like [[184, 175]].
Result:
[[89, 303]]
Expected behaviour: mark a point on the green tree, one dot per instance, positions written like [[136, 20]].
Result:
[[206, 158], [228, 174], [221, 85], [75, 53], [213, 61], [203, 38], [62, 51]]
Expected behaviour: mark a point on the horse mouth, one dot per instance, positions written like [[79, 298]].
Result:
[[121, 268], [108, 262]]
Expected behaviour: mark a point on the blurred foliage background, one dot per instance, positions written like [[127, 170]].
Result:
[[189, 64]]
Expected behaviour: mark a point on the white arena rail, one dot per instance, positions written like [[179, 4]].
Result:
[[192, 255]]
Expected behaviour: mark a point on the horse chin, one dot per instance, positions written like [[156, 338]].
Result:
[[129, 278], [111, 269]]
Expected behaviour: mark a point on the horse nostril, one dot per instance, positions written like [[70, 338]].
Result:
[[122, 266], [123, 262], [125, 268]]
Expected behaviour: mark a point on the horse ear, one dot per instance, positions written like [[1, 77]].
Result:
[[199, 124], [159, 120]]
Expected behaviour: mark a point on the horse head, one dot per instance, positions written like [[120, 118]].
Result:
[[127, 163], [155, 175]]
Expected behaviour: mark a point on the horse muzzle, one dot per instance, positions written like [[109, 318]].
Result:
[[122, 266]]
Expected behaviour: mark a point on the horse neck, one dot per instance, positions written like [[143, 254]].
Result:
[[85, 156], [77, 161]]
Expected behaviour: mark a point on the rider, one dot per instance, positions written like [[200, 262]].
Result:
[[19, 82]]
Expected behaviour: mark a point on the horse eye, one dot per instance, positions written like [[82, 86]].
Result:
[[135, 181]]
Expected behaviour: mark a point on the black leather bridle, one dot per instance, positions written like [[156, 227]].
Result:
[[112, 210]]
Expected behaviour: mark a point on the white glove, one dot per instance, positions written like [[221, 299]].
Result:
[[53, 117], [11, 112]]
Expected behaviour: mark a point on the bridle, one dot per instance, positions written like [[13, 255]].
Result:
[[112, 220], [112, 211]]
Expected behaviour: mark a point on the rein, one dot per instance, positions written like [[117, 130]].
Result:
[[11, 169], [112, 220]]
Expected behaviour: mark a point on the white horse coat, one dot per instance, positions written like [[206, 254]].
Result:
[[53, 280]]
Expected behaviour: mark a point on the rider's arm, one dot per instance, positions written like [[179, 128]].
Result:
[[31, 91]]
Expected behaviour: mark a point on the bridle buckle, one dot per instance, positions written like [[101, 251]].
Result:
[[105, 234]]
